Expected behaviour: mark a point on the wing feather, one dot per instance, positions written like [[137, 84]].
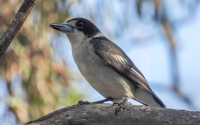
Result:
[[119, 61]]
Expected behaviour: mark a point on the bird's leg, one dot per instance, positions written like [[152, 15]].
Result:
[[120, 105], [101, 101], [104, 100]]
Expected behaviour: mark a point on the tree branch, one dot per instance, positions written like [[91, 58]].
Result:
[[103, 114], [15, 25]]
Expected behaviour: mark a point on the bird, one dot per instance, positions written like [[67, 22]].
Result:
[[105, 66]]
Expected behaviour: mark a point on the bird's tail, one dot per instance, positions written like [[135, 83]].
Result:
[[148, 99], [158, 101]]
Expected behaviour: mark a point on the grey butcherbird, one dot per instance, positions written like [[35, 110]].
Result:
[[105, 66]]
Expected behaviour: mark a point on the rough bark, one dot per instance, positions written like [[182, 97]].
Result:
[[103, 114], [15, 25]]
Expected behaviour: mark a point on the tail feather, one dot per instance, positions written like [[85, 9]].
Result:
[[147, 98], [159, 101]]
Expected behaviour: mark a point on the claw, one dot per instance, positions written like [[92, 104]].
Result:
[[115, 103], [120, 106], [83, 103]]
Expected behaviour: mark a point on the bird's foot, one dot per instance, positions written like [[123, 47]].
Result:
[[119, 108], [83, 102], [115, 103], [120, 105]]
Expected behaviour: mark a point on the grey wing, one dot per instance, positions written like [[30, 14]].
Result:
[[119, 61]]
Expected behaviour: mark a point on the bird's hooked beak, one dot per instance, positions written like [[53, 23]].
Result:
[[63, 27]]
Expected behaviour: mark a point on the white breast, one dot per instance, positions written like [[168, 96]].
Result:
[[101, 77]]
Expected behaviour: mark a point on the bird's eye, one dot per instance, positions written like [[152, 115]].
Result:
[[79, 24]]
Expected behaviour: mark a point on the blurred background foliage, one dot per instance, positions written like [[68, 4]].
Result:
[[35, 76], [35, 80]]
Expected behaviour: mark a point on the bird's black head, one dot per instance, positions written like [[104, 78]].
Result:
[[77, 25], [85, 26]]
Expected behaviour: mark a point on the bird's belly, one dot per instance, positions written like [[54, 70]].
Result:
[[102, 77]]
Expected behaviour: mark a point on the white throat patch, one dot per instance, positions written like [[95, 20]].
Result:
[[76, 37]]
